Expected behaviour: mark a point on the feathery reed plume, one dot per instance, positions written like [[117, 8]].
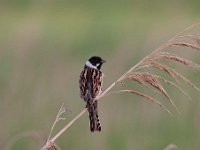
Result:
[[144, 77], [170, 83], [173, 73], [185, 40], [176, 58], [146, 97], [147, 79]]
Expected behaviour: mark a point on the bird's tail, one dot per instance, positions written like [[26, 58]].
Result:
[[93, 116]]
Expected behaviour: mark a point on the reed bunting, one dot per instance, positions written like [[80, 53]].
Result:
[[90, 84]]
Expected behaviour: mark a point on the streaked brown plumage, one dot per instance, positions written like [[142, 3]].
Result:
[[90, 84]]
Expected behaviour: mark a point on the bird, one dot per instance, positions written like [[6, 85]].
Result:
[[90, 84]]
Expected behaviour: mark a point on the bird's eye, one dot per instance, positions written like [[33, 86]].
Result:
[[97, 64]]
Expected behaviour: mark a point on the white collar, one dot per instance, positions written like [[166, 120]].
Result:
[[88, 64]]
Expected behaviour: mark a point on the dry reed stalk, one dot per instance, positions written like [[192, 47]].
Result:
[[146, 78]]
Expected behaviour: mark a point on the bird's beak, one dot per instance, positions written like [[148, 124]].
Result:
[[103, 61]]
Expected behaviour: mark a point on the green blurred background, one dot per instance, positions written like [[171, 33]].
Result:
[[43, 46]]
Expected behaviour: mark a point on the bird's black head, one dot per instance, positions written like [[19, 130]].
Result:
[[95, 62]]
